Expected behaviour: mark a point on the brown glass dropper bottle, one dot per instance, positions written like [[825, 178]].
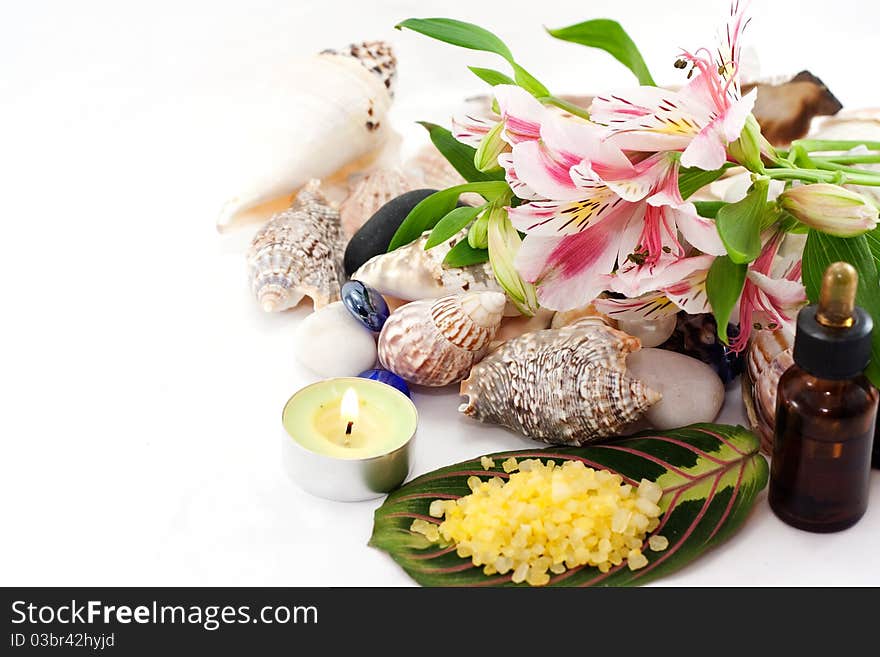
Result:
[[825, 413]]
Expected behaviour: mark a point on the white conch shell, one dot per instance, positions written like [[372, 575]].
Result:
[[372, 192], [316, 115], [565, 386], [769, 355], [412, 273], [298, 253], [435, 342]]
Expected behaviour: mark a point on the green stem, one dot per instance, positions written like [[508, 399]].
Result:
[[835, 176], [866, 158], [813, 145], [571, 108]]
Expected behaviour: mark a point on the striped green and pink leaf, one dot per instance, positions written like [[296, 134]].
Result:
[[711, 476]]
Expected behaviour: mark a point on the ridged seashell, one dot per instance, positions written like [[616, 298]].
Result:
[[435, 342], [429, 168], [769, 355], [411, 273], [298, 253], [565, 386], [372, 192], [309, 118]]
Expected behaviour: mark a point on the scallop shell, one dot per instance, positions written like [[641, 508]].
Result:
[[435, 342], [298, 253], [372, 192], [769, 355], [412, 273], [564, 386], [309, 118]]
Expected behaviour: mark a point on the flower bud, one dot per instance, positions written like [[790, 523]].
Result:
[[491, 146], [751, 147], [478, 235], [830, 209], [504, 243]]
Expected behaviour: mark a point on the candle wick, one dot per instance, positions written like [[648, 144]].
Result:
[[348, 428]]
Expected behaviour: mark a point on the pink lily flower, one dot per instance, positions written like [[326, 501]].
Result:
[[520, 112], [767, 302], [574, 241], [682, 287], [700, 120]]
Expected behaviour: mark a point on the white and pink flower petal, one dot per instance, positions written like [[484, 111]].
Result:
[[521, 112], [555, 218], [472, 123], [539, 168], [698, 231], [653, 305], [517, 186], [569, 272]]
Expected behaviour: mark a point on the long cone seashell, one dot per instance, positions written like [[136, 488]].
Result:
[[412, 273], [298, 253], [565, 386], [372, 192], [314, 117], [435, 342]]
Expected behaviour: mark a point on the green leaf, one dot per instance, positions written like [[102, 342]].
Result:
[[463, 254], [458, 33], [427, 213], [474, 37], [708, 209], [691, 180], [609, 36], [452, 223], [724, 284], [460, 156], [491, 76], [739, 224], [711, 476], [820, 251]]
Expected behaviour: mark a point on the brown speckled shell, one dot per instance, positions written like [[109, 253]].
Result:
[[565, 386], [769, 355], [298, 253], [370, 193], [435, 342]]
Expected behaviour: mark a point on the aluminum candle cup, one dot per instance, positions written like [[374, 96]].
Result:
[[348, 439]]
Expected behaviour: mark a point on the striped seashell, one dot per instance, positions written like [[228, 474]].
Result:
[[435, 342], [769, 355], [370, 193], [298, 253], [566, 386]]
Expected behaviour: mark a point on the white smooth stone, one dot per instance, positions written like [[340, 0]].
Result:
[[651, 332], [330, 342], [691, 390]]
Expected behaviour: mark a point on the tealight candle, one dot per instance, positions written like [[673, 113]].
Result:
[[348, 439]]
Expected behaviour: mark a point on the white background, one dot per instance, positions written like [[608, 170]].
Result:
[[141, 385]]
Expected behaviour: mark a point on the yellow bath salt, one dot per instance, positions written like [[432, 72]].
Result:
[[487, 463], [548, 518]]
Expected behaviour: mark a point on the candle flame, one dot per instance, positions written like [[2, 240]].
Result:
[[349, 408]]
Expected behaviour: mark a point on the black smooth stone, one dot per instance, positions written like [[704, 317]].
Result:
[[375, 235]]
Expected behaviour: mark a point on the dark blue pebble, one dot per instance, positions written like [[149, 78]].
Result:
[[388, 378], [365, 304], [697, 337]]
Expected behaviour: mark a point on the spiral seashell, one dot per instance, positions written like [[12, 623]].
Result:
[[565, 386], [298, 253], [309, 117], [412, 273], [372, 192], [769, 355], [435, 342]]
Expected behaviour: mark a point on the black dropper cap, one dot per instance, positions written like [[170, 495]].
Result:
[[833, 339]]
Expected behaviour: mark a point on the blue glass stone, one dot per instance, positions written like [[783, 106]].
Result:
[[388, 378], [365, 304]]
